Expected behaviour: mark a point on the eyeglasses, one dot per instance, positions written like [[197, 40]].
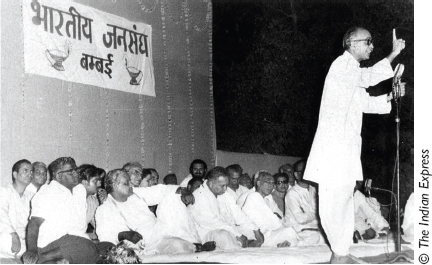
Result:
[[282, 181], [71, 171], [369, 41]]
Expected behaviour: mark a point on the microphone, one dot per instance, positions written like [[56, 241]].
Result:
[[396, 80]]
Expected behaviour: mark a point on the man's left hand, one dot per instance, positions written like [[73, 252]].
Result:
[[187, 198]]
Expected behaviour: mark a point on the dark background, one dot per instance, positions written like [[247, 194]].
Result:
[[270, 62]]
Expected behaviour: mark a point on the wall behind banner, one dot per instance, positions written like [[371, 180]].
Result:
[[44, 118]]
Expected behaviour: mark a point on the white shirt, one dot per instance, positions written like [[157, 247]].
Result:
[[206, 213], [242, 198], [113, 217], [260, 213], [64, 212], [92, 205], [271, 203], [14, 210], [32, 188], [237, 193], [300, 208], [185, 181], [337, 142]]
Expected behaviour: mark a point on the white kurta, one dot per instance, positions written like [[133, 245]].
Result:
[[300, 208], [236, 194], [334, 160], [185, 181], [210, 220], [274, 207], [64, 212], [14, 213], [269, 224], [113, 217], [366, 216]]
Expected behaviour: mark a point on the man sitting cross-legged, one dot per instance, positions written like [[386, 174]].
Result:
[[218, 218], [56, 230], [281, 187], [125, 215], [275, 234], [14, 210]]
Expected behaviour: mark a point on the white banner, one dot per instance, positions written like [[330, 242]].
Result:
[[77, 43]]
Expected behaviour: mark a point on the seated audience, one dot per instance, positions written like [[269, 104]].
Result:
[[125, 215], [210, 214], [240, 201], [234, 188], [194, 184], [289, 170], [408, 221], [56, 230], [170, 179], [134, 169], [197, 169], [15, 209], [246, 181], [300, 202], [368, 222], [155, 175], [281, 187], [275, 234], [39, 177], [147, 179]]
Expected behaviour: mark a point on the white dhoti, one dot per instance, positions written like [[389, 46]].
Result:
[[274, 237], [223, 239]]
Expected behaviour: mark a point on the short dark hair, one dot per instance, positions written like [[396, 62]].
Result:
[[280, 175], [235, 168], [300, 165], [145, 172], [347, 36], [285, 167], [57, 165], [169, 176], [197, 161], [16, 167], [111, 179], [193, 180], [87, 172], [216, 172]]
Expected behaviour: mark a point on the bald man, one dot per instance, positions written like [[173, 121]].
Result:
[[336, 149]]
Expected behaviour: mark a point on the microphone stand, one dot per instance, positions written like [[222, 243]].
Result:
[[400, 256]]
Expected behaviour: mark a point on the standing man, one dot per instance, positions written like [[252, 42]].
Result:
[[335, 152]]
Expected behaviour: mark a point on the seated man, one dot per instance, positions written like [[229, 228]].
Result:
[[300, 202], [234, 188], [147, 179], [170, 179], [39, 177], [241, 200], [289, 170], [134, 169], [278, 194], [197, 169], [15, 209], [275, 234], [194, 184], [217, 217], [246, 181], [56, 230], [125, 215], [89, 176], [368, 222], [155, 175]]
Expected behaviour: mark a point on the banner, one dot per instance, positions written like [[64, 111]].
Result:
[[77, 43]]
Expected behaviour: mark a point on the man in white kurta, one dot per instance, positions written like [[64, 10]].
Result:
[[217, 217], [275, 233], [335, 152], [126, 210], [234, 188], [15, 210], [366, 217], [197, 169]]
